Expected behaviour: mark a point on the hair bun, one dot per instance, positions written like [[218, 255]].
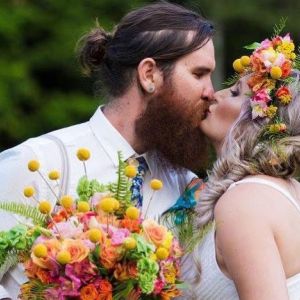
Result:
[[92, 49]]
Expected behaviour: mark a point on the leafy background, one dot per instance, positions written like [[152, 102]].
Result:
[[41, 85]]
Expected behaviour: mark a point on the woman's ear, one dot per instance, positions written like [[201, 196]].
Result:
[[149, 75]]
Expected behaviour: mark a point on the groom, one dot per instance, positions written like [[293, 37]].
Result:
[[155, 70]]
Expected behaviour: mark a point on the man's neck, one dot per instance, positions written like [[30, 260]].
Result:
[[122, 114]]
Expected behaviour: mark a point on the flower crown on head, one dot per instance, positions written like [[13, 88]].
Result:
[[270, 74]]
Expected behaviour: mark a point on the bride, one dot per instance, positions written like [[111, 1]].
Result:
[[252, 197]]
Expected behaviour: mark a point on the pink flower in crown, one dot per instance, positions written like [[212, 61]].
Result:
[[265, 44], [287, 38], [119, 236], [261, 96]]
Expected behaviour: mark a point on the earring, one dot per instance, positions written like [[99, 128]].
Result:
[[151, 89]]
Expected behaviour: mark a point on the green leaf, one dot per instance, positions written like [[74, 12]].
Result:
[[278, 28], [10, 260], [26, 211], [252, 46]]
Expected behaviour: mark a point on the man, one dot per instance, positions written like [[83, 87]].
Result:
[[156, 71]]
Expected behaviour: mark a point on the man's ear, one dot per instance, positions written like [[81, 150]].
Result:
[[149, 75]]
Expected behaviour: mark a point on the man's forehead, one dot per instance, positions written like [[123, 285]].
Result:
[[203, 57]]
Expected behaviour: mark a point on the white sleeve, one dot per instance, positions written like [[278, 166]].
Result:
[[3, 293], [15, 176]]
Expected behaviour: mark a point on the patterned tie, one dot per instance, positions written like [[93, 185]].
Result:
[[137, 182]]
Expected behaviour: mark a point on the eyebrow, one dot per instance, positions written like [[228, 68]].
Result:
[[202, 69]]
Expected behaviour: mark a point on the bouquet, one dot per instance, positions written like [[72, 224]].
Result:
[[95, 247]]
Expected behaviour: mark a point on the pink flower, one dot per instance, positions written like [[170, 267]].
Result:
[[158, 286], [81, 272], [261, 96], [265, 44], [119, 236], [69, 229]]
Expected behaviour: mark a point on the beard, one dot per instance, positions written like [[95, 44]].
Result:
[[169, 130]]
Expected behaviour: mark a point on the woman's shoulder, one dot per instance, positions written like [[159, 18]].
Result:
[[253, 197]]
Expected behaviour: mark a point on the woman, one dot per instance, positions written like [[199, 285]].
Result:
[[252, 249]]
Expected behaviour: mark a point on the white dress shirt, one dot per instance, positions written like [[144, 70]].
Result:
[[103, 140]]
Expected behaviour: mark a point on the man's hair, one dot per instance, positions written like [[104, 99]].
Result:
[[159, 31]]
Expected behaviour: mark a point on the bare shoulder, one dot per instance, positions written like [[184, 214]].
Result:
[[251, 202]]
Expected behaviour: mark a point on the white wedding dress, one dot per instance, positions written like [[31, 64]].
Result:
[[214, 285]]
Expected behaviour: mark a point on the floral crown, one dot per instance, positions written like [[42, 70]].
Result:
[[270, 74]]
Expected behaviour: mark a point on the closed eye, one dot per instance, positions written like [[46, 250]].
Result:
[[234, 93]]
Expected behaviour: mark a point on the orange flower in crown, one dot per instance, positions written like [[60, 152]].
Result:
[[269, 68]]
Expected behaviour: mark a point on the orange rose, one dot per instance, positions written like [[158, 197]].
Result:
[[154, 232], [286, 69], [34, 271], [53, 246], [89, 292], [257, 64], [78, 250], [258, 81], [105, 290], [110, 255]]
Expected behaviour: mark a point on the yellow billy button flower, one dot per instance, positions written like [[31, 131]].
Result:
[[29, 191], [237, 66], [276, 72], [95, 235], [130, 171], [156, 184], [132, 213], [66, 201], [83, 206], [162, 253], [45, 207], [129, 243], [63, 257], [33, 165], [108, 204], [54, 175], [245, 60], [83, 154], [40, 251]]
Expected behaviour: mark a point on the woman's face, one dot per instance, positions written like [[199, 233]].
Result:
[[224, 111]]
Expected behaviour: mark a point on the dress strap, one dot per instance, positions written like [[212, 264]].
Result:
[[270, 184]]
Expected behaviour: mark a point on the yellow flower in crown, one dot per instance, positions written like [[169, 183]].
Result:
[[284, 95]]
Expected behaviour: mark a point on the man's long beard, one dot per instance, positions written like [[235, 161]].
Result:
[[169, 129]]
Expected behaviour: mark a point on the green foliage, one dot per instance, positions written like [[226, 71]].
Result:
[[86, 188], [7, 261], [35, 290], [278, 28], [24, 210], [252, 46], [121, 189], [188, 234], [231, 80]]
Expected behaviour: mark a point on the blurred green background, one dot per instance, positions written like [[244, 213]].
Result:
[[41, 86]]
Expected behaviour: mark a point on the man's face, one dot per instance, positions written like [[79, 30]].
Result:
[[170, 123], [191, 80]]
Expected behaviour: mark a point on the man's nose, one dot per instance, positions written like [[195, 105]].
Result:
[[208, 93]]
